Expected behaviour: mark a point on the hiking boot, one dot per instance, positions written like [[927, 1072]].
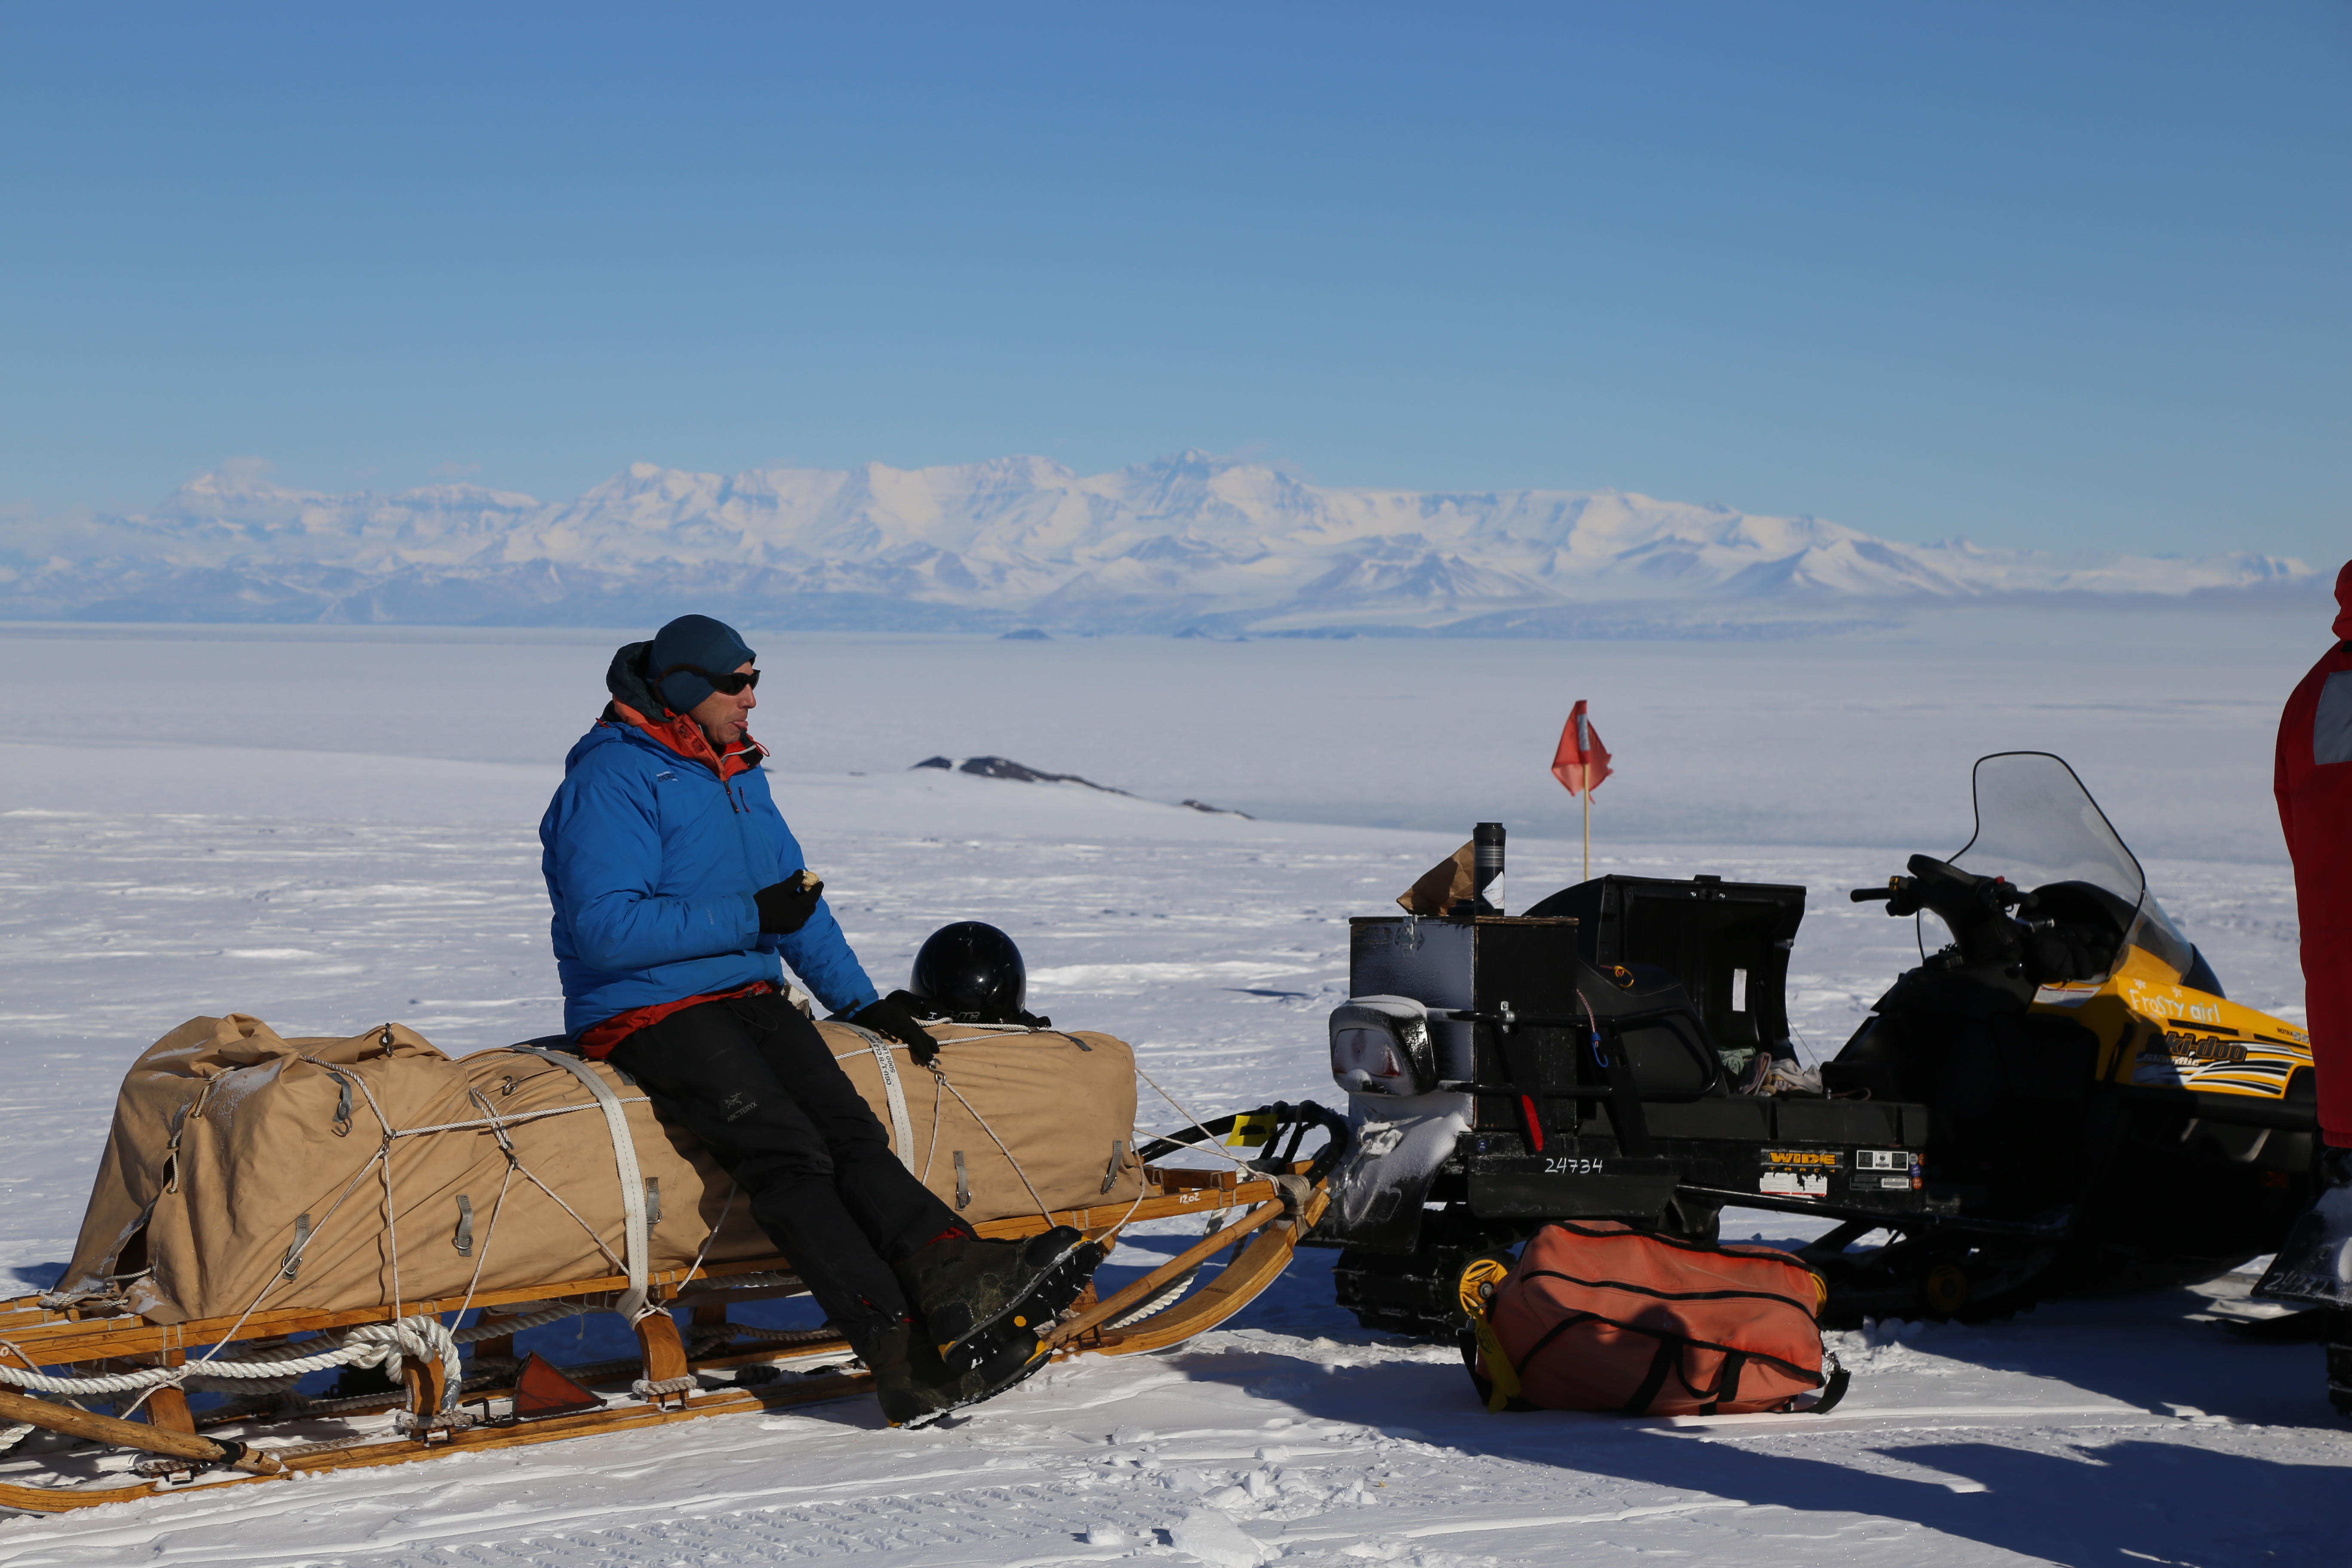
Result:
[[977, 1299], [915, 1387]]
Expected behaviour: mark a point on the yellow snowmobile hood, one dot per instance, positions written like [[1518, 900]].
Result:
[[2155, 1031]]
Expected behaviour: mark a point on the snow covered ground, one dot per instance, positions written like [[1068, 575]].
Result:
[[336, 828]]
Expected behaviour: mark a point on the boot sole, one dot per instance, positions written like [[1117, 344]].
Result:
[[1031, 1312], [1029, 1369]]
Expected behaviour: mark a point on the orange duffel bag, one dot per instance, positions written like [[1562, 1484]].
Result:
[[1599, 1316]]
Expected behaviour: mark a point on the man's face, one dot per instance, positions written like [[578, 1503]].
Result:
[[726, 720]]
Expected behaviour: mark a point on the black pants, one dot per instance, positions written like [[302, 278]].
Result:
[[753, 1080]]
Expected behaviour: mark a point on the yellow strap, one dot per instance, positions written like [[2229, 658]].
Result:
[[1499, 1370]]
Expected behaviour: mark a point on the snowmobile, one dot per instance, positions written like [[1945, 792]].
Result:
[[2093, 1089], [2057, 1099]]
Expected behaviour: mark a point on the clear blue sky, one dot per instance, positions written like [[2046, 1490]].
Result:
[[2063, 275]]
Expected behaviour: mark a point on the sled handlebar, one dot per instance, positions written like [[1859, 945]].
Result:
[[1298, 1120]]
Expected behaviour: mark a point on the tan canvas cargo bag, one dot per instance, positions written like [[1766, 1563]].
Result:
[[246, 1170]]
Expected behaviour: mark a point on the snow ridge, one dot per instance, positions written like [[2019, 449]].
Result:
[[1192, 540]]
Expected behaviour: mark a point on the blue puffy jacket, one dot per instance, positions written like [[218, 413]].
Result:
[[651, 861]]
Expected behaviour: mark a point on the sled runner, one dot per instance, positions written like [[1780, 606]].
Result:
[[271, 1209]]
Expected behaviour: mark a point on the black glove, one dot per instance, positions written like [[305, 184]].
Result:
[[887, 1018], [786, 907], [911, 1001]]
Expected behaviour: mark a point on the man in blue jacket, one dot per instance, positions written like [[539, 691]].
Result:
[[680, 896]]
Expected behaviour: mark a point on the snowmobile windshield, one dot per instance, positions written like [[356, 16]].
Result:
[[2037, 824]]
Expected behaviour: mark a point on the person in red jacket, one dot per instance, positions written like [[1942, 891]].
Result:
[[2314, 784]]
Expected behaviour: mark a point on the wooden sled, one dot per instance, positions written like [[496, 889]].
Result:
[[713, 1368]]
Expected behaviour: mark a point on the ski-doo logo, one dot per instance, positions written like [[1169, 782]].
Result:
[[2193, 1048]]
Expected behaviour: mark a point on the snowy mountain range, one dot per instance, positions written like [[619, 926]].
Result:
[[1190, 541]]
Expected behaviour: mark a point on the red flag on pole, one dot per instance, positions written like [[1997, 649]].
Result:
[[1582, 762]]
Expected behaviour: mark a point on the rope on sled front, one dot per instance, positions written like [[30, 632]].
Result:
[[419, 1338]]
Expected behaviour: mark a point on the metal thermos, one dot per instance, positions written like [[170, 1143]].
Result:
[[1487, 864]]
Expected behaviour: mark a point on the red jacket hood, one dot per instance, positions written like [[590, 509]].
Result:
[[2344, 602]]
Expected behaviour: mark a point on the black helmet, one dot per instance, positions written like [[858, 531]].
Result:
[[971, 972]]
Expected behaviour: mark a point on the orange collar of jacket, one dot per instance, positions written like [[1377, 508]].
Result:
[[684, 736]]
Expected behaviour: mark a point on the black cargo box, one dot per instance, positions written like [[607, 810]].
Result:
[[1727, 943]]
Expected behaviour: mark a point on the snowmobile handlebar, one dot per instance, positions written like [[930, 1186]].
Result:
[[2033, 935], [1934, 882]]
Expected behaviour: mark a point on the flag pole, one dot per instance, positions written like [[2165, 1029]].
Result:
[[1588, 825]]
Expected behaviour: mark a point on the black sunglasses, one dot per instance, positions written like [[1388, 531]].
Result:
[[732, 683]]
